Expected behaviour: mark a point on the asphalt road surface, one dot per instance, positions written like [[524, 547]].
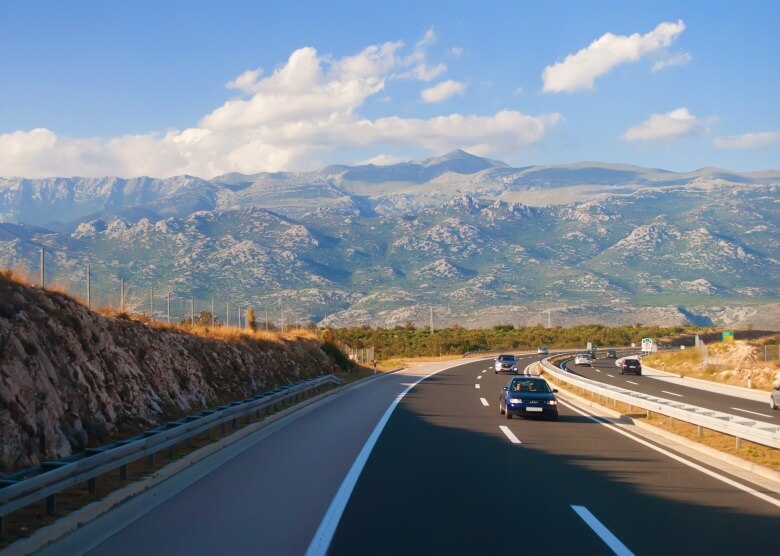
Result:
[[605, 371], [447, 474]]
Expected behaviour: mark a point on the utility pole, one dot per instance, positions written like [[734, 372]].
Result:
[[213, 316], [89, 293], [431, 319], [266, 320], [151, 304], [121, 295], [192, 311], [43, 267], [282, 320], [227, 314], [169, 308]]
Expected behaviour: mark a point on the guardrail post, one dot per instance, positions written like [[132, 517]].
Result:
[[123, 473], [151, 459], [671, 421], [171, 452], [222, 429], [235, 423], [51, 504], [699, 431], [739, 443], [92, 485]]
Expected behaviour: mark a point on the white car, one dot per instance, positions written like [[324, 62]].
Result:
[[774, 398], [542, 351], [583, 359]]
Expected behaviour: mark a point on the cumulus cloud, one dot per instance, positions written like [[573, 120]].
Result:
[[304, 111], [677, 123], [580, 70], [443, 91], [757, 140], [679, 59]]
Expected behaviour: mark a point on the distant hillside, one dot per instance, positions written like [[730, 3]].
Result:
[[71, 378], [383, 244]]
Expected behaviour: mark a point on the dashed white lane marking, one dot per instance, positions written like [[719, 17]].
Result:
[[611, 376], [634, 383], [510, 435], [598, 371], [672, 393], [751, 412], [675, 457], [476, 386], [604, 534], [479, 377], [484, 402], [486, 370]]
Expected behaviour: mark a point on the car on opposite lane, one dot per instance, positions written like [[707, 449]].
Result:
[[542, 351], [528, 395], [630, 366], [774, 398], [506, 363], [611, 354], [583, 359]]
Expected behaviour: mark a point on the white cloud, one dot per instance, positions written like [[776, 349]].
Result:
[[456, 51], [674, 60], [382, 160], [305, 111], [677, 123], [757, 140], [580, 70], [519, 91], [443, 91]]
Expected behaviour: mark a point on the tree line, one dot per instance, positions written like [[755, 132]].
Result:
[[410, 341]]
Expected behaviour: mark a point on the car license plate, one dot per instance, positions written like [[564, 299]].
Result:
[[534, 409]]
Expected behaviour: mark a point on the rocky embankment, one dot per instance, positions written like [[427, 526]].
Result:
[[72, 378]]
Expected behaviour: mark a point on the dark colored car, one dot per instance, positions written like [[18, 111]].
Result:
[[506, 364], [630, 366], [611, 354], [528, 395]]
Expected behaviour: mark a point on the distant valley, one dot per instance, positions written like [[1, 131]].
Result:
[[458, 239]]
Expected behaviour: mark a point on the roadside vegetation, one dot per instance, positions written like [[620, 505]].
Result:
[[409, 341]]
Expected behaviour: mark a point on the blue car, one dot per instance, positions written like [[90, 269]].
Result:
[[528, 395]]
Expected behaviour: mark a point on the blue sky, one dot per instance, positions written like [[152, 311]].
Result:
[[97, 88]]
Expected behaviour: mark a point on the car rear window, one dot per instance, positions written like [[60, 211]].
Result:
[[631, 362], [506, 357]]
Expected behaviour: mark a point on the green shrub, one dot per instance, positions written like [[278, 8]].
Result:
[[339, 357]]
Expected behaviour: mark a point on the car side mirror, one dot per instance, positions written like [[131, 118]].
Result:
[[505, 388], [555, 390]]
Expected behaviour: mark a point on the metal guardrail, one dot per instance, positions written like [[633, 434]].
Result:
[[21, 489], [760, 432]]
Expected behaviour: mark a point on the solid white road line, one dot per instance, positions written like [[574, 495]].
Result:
[[677, 458], [476, 386], [751, 412], [634, 383], [672, 393], [510, 435], [604, 534], [320, 542], [484, 402]]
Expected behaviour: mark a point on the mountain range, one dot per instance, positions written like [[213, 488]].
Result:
[[459, 239]]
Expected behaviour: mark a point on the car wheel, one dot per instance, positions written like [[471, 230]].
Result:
[[554, 417], [508, 415], [772, 403], [620, 372], [500, 408]]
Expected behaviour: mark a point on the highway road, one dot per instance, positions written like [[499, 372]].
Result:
[[605, 371], [445, 474]]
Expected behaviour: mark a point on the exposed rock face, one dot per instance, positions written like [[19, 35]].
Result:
[[71, 378]]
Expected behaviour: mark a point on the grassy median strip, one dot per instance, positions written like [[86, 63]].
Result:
[[758, 454]]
